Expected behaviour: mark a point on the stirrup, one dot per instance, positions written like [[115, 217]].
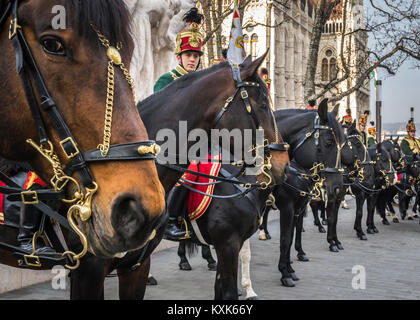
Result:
[[187, 234]]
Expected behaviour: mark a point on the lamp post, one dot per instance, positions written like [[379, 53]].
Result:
[[378, 111]]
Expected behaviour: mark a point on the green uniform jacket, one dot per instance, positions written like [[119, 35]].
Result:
[[169, 77], [371, 141], [408, 146]]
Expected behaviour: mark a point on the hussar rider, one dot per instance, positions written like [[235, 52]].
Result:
[[410, 144], [188, 53]]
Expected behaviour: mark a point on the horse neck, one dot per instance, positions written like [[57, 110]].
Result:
[[290, 128]]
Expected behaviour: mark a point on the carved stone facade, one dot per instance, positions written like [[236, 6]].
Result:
[[289, 39]]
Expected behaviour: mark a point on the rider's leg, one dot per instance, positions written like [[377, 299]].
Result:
[[176, 207]]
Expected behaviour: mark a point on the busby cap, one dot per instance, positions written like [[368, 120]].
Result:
[[363, 119], [190, 39], [372, 131], [411, 126]]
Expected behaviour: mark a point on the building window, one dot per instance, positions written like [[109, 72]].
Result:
[[333, 69], [329, 67], [324, 74], [302, 5], [246, 42], [254, 41]]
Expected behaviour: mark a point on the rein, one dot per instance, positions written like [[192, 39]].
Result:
[[278, 146]]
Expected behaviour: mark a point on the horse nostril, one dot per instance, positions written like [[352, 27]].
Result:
[[128, 217]]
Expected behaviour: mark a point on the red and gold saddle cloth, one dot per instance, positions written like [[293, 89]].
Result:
[[31, 179], [198, 203]]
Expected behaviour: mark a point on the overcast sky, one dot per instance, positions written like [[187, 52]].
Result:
[[399, 93]]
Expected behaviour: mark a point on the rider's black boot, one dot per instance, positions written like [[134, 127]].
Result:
[[176, 207], [30, 219]]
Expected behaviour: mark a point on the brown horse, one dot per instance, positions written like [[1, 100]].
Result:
[[73, 65]]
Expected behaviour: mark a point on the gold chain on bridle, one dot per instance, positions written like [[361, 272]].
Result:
[[114, 59], [82, 207]]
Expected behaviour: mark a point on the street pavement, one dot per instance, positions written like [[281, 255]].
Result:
[[383, 267]]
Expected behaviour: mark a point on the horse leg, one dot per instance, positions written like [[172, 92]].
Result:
[[401, 206], [87, 281], [132, 284], [226, 287], [381, 204], [360, 199], [301, 255], [335, 207], [264, 234], [286, 238], [245, 256], [317, 222], [183, 264], [332, 215], [371, 200], [206, 254], [321, 206]]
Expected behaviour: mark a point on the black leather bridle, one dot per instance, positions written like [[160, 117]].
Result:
[[28, 70], [240, 87]]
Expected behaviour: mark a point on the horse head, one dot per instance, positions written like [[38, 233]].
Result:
[[384, 171], [82, 65]]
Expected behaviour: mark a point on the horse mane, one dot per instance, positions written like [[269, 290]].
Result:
[[111, 17]]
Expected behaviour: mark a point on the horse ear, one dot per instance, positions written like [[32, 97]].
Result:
[[396, 139], [248, 69], [323, 110]]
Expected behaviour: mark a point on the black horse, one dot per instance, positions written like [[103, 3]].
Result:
[[406, 188], [198, 98], [316, 139], [373, 172]]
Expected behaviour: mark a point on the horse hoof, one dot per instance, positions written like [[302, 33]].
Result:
[[395, 220], [385, 222], [324, 222], [212, 266], [185, 266], [375, 230], [287, 282], [370, 231], [151, 281], [268, 236], [415, 216], [340, 246], [410, 218], [321, 230], [239, 293], [303, 230], [262, 237], [302, 257], [362, 236], [253, 298], [294, 276], [333, 248]]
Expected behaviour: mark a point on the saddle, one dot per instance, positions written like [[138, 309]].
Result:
[[198, 203]]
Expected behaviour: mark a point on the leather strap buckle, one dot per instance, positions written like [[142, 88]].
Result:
[[29, 197], [13, 28], [35, 263], [72, 154]]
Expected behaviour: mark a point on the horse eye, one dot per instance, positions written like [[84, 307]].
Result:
[[53, 46]]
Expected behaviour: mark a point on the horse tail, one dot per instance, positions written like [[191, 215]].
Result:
[[191, 247]]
